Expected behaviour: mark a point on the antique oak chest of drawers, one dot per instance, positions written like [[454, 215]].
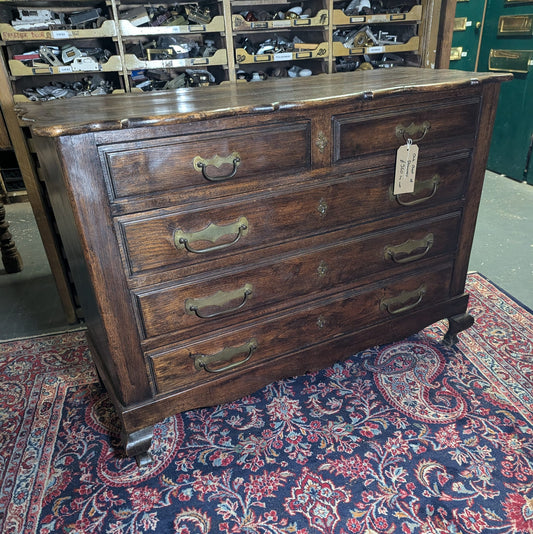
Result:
[[225, 237]]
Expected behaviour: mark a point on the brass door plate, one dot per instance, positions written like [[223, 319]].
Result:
[[520, 25], [511, 60], [456, 53], [459, 24]]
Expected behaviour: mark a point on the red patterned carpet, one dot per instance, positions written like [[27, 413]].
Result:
[[408, 437]]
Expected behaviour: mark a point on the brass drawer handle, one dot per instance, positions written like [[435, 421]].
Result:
[[218, 300], [405, 252], [212, 233], [206, 361], [408, 132], [402, 302], [200, 164], [432, 184]]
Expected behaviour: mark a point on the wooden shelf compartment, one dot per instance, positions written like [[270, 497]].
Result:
[[413, 15], [339, 50], [240, 24]]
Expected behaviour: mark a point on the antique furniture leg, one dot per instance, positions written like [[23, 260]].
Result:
[[137, 444], [10, 255], [457, 324]]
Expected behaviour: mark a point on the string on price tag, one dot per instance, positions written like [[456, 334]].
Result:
[[405, 173]]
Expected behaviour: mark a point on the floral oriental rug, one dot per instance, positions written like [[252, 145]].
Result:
[[411, 437]]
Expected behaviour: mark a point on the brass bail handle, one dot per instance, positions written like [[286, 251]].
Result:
[[409, 133], [208, 362], [213, 232], [404, 301], [220, 300], [201, 165]]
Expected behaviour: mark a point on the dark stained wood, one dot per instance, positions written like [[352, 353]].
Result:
[[308, 256], [117, 112]]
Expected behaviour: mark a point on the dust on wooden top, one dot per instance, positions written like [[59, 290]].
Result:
[[132, 110]]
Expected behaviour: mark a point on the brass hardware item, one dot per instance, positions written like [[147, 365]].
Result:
[[459, 24], [510, 60], [212, 234], [218, 300], [408, 132], [322, 207], [322, 269], [403, 302], [410, 250], [456, 53], [321, 142], [432, 185], [321, 321], [520, 25], [201, 164], [208, 362], [478, 25]]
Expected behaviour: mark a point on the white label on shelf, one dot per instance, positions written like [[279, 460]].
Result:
[[375, 49], [282, 23], [405, 173], [62, 70], [285, 56], [378, 18], [60, 34], [179, 29], [357, 19]]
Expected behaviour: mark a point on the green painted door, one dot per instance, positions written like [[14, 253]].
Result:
[[503, 41], [466, 34], [507, 45]]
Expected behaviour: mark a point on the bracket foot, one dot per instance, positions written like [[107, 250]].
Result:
[[456, 324]]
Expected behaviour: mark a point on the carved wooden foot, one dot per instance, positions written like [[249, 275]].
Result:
[[457, 324], [137, 444], [10, 255]]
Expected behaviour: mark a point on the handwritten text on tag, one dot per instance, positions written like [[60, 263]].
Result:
[[406, 160]]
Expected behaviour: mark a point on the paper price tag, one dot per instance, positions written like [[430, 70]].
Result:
[[405, 174]]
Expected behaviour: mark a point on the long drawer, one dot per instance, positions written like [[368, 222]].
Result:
[[171, 239], [448, 125], [200, 160], [238, 349], [196, 305]]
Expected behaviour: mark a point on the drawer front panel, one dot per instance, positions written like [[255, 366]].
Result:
[[227, 299], [150, 243], [238, 350], [449, 126], [160, 165]]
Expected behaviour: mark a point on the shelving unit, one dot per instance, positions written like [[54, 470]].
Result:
[[220, 42]]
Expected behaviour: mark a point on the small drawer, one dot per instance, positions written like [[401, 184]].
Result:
[[179, 239], [445, 126], [227, 299], [237, 350], [159, 165]]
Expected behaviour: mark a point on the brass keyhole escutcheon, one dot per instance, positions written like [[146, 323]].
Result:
[[321, 142], [322, 269], [322, 207], [321, 321]]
